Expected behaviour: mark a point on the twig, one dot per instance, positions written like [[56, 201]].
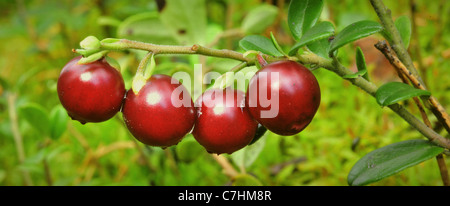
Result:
[[382, 46], [17, 136], [435, 106], [384, 15], [227, 167], [443, 169]]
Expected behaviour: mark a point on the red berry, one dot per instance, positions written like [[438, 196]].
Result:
[[298, 95], [90, 92], [223, 123], [153, 118]]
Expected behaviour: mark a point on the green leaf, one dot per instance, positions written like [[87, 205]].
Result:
[[247, 155], [361, 65], [186, 19], [246, 180], [403, 25], [259, 43], [36, 116], [354, 32], [302, 15], [391, 159], [58, 121], [188, 149], [275, 43], [141, 27], [394, 92], [259, 18], [320, 47], [319, 31]]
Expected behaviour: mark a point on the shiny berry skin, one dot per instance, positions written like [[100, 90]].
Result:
[[223, 123], [90, 92], [152, 118], [298, 94]]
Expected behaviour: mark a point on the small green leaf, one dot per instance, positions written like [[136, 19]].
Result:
[[319, 31], [354, 32], [259, 18], [394, 92], [247, 155], [275, 43], [403, 25], [320, 47], [36, 116], [361, 65], [259, 43], [246, 180], [391, 159], [58, 121], [302, 15]]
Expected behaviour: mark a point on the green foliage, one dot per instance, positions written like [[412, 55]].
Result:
[[394, 92], [391, 159], [354, 32], [37, 44]]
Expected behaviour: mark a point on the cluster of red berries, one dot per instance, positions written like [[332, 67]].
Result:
[[95, 92]]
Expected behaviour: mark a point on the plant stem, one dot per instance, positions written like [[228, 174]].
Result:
[[307, 58], [17, 136], [396, 41]]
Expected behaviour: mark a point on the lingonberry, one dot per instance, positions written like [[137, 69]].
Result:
[[288, 93], [90, 92], [155, 115], [223, 123]]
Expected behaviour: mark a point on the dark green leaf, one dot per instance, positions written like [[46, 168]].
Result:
[[361, 65], [302, 15], [259, 18], [394, 92], [391, 159], [259, 43], [58, 121], [319, 31], [36, 116], [403, 25], [320, 47], [354, 32]]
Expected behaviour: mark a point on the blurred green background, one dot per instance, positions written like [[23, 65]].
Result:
[[39, 145]]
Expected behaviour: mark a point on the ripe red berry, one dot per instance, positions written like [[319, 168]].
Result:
[[223, 123], [151, 115], [287, 89], [90, 92]]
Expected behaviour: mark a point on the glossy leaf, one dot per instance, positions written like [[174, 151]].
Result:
[[302, 15], [361, 65], [259, 43], [391, 159], [36, 116], [259, 18], [403, 25], [394, 92], [319, 31], [320, 47], [354, 32], [58, 122]]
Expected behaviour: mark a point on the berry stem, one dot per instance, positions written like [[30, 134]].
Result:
[[143, 73]]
